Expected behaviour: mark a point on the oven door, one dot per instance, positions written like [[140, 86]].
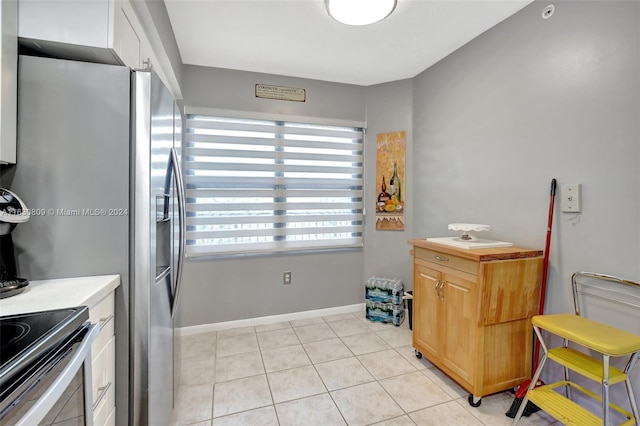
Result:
[[54, 388]]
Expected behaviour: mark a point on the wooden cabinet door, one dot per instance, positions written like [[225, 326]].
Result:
[[426, 310], [458, 326]]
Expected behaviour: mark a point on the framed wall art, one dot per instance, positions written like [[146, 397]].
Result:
[[390, 172]]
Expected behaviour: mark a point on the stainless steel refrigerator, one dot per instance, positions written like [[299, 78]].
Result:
[[99, 158]]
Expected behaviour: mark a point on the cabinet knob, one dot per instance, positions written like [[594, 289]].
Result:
[[441, 259]]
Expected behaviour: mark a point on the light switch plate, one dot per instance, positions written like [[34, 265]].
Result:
[[570, 198]]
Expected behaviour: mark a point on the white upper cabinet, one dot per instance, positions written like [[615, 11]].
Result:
[[71, 22], [126, 41], [9, 78], [104, 31]]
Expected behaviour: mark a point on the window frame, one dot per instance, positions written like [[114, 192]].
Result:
[[283, 191]]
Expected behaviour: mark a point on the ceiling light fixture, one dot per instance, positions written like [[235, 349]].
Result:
[[360, 12]]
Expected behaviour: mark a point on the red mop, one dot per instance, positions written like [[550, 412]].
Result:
[[522, 389]]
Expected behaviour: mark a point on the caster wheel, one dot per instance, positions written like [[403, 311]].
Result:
[[473, 402], [418, 354]]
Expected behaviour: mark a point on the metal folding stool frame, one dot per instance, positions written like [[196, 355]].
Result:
[[576, 287]]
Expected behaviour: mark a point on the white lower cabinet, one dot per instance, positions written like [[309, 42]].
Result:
[[103, 369], [103, 366], [98, 294]]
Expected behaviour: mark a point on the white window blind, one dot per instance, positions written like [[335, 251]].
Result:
[[257, 186]]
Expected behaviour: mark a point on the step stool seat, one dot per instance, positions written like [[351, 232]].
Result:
[[590, 334]]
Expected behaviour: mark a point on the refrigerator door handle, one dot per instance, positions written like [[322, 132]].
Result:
[[182, 228]]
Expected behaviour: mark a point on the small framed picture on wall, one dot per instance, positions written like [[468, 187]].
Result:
[[390, 172]]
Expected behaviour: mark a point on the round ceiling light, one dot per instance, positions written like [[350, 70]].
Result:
[[360, 12]]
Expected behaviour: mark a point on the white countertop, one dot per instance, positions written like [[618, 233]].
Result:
[[60, 293]]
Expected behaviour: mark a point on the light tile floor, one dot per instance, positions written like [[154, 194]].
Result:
[[335, 370]]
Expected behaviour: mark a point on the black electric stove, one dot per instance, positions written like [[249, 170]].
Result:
[[26, 340]]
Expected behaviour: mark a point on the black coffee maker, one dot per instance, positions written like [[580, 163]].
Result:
[[12, 212]]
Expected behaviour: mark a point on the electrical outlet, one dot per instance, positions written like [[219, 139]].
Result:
[[286, 278], [570, 198]]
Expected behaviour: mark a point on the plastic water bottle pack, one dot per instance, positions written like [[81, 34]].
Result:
[[384, 300]]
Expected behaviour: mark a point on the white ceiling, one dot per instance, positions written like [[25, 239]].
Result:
[[298, 38]]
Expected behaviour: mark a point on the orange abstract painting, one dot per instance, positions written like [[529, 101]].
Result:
[[390, 173]]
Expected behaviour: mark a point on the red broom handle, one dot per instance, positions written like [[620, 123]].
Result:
[[545, 269]]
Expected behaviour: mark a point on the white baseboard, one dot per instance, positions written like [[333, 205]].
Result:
[[206, 328]]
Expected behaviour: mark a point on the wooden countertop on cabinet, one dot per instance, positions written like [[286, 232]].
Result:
[[472, 313]]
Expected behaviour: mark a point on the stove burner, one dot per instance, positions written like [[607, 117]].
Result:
[[26, 337], [12, 333]]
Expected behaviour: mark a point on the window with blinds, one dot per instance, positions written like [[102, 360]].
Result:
[[258, 186]]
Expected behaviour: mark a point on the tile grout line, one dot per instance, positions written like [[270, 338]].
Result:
[[324, 384], [458, 399], [213, 390], [382, 386], [314, 364], [266, 377], [260, 349]]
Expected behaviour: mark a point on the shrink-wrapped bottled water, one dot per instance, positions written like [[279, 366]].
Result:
[[384, 300], [385, 312], [386, 290]]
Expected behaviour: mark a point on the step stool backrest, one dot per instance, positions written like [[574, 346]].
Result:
[[607, 299]]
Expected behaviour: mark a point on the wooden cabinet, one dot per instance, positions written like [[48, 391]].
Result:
[[472, 312], [426, 310], [457, 300], [443, 319]]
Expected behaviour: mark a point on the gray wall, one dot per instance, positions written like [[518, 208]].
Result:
[[527, 101], [217, 290], [155, 20], [487, 129], [235, 90], [386, 253]]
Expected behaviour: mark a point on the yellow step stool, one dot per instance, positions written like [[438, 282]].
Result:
[[604, 339]]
